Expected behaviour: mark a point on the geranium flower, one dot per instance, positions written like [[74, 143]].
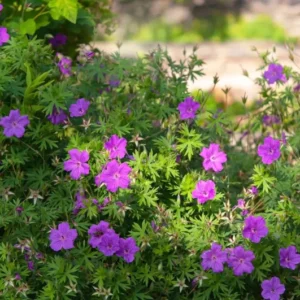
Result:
[[272, 289], [4, 36], [204, 191], [274, 74], [97, 231], [213, 158], [240, 260], [58, 116], [59, 39], [214, 258], [114, 176], [65, 65], [63, 237], [269, 151], [188, 108], [79, 109], [109, 244], [255, 228], [289, 258], [14, 124], [128, 249], [77, 164], [116, 147]]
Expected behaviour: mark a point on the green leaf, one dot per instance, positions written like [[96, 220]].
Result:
[[28, 27], [64, 8]]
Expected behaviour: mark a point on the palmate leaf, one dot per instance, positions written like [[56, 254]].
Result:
[[262, 179], [64, 8]]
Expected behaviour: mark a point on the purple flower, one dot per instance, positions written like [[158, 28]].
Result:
[[240, 260], [58, 116], [188, 108], [65, 65], [116, 147], [77, 163], [297, 88], [97, 231], [89, 54], [80, 108], [79, 202], [272, 289], [18, 276], [270, 120], [30, 266], [127, 250], [255, 228], [274, 74], [109, 244], [63, 237], [213, 158], [289, 257], [14, 124], [19, 210], [1, 7], [58, 40], [4, 36], [114, 81], [214, 258], [204, 191], [269, 151], [114, 175], [39, 256], [254, 190], [241, 204]]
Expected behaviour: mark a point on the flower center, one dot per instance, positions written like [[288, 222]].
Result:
[[253, 230], [241, 260], [126, 251], [14, 124], [205, 194], [213, 257], [271, 151], [78, 164], [109, 246], [98, 233], [62, 238], [116, 175], [212, 158], [190, 110]]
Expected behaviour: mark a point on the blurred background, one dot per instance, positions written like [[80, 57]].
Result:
[[224, 30]]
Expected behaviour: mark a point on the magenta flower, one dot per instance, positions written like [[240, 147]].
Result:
[[270, 120], [97, 231], [188, 108], [58, 40], [274, 74], [18, 276], [269, 151], [127, 250], [204, 191], [116, 147], [63, 237], [255, 228], [254, 190], [14, 124], [109, 244], [77, 164], [240, 260], [289, 258], [214, 258], [65, 65], [213, 158], [272, 289], [58, 116], [4, 36], [114, 176], [80, 108], [1, 7]]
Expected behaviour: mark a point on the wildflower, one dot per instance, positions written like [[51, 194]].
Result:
[[116, 147], [109, 244], [213, 158], [188, 108], [254, 190], [77, 164], [127, 250], [14, 124], [65, 65], [269, 120], [269, 151], [297, 88], [204, 191], [272, 289], [97, 231], [214, 258], [114, 176], [79, 202], [58, 40], [39, 256], [289, 257], [4, 36], [18, 276], [19, 210], [58, 116], [1, 7], [30, 265], [240, 260], [80, 108], [274, 74], [63, 237], [255, 228], [114, 81]]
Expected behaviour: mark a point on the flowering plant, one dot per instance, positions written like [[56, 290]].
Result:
[[117, 183]]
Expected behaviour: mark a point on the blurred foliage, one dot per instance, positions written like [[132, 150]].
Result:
[[215, 28]]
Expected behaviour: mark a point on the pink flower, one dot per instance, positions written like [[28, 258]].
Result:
[[269, 151], [188, 108], [4, 36], [77, 164], [255, 228], [204, 191], [114, 176], [213, 158], [116, 147], [79, 109], [65, 65], [214, 258]]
